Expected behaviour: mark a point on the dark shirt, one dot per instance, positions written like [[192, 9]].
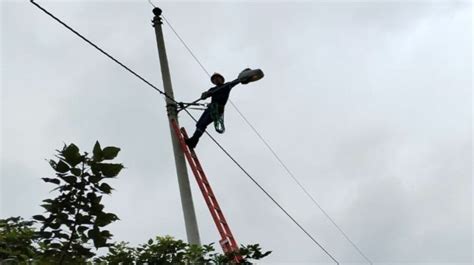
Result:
[[220, 94]]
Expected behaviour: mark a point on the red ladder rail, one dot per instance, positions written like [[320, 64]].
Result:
[[227, 242]]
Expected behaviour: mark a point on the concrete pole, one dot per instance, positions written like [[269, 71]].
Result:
[[190, 222]]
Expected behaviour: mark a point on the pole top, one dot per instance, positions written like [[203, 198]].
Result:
[[157, 11]]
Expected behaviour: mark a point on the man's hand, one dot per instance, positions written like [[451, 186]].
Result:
[[204, 95]]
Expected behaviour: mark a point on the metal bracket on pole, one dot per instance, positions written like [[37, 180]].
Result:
[[183, 106]]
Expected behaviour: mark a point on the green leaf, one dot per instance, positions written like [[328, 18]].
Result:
[[106, 234], [100, 241], [81, 229], [55, 225], [96, 208], [97, 199], [55, 245], [95, 179], [83, 219], [57, 234], [83, 251], [53, 164], [39, 218], [104, 187], [105, 219], [91, 196], [95, 167], [51, 180], [76, 172], [61, 235], [45, 235], [110, 152], [47, 206], [97, 152], [110, 170], [93, 233], [69, 179], [62, 167], [72, 155], [62, 217]]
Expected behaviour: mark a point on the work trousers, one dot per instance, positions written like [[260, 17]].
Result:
[[202, 123]]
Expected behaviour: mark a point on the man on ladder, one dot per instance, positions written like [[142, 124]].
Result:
[[219, 94]]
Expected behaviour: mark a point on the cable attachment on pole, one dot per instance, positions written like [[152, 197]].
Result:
[[183, 106], [172, 109]]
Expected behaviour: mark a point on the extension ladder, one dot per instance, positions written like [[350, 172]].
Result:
[[227, 242]]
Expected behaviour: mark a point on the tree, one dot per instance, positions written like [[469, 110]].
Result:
[[74, 220], [16, 239], [248, 253], [119, 253], [167, 251]]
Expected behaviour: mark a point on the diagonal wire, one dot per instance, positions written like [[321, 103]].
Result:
[[187, 47], [290, 173], [102, 51], [264, 191], [274, 153], [218, 144]]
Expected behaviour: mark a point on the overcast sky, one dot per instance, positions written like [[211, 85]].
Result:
[[368, 103]]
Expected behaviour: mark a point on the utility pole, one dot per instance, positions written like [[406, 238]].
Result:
[[190, 222]]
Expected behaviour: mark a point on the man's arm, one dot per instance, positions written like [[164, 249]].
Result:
[[213, 90], [234, 83]]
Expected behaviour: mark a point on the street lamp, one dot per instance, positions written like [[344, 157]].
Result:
[[248, 75]]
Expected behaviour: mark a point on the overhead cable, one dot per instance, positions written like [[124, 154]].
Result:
[[101, 50], [273, 151], [163, 93]]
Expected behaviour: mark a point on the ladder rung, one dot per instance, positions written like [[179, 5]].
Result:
[[228, 241], [210, 195]]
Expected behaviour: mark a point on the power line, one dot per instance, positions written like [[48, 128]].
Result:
[[274, 153], [101, 50], [215, 141], [290, 173], [189, 50]]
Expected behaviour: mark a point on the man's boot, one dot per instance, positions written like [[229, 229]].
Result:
[[192, 142]]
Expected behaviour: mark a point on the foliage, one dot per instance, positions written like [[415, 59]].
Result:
[[167, 250], [164, 250], [74, 223], [75, 219], [252, 252], [16, 239], [118, 253], [248, 253]]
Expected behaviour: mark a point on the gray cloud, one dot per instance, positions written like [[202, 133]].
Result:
[[368, 103]]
